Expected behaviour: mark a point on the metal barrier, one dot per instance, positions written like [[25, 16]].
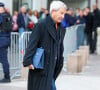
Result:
[[72, 39], [13, 56], [24, 39], [16, 54], [80, 35]]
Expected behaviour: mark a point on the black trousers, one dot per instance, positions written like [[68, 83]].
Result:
[[94, 41], [89, 40], [4, 61]]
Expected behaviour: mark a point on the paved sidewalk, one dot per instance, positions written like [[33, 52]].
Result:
[[91, 69], [64, 82], [88, 79]]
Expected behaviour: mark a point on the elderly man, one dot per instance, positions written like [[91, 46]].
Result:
[[49, 35]]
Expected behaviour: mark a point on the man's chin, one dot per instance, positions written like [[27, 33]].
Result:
[[59, 21]]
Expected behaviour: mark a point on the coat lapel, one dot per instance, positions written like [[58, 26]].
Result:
[[51, 32], [50, 28]]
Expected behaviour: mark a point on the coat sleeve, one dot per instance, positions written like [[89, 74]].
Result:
[[32, 45]]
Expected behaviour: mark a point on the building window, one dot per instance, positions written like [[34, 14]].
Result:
[[18, 3], [27, 3]]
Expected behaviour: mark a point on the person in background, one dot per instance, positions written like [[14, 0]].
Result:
[[41, 12], [49, 35], [36, 15], [80, 18], [30, 20], [5, 29], [14, 21], [69, 19], [88, 28], [80, 31], [45, 14], [22, 25], [96, 23], [21, 20], [77, 12]]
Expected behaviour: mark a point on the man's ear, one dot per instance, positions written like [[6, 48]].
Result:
[[53, 12]]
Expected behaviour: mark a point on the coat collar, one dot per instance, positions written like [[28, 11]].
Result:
[[51, 27]]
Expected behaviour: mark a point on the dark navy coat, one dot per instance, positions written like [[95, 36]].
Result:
[[5, 30], [81, 19], [20, 21], [96, 19], [4, 40], [89, 23], [68, 20], [43, 36]]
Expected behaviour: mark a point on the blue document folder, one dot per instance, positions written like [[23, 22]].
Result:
[[38, 59]]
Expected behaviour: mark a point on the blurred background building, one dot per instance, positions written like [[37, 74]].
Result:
[[37, 4]]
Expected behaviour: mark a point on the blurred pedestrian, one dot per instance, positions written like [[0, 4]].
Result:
[[69, 19], [80, 30], [21, 20], [22, 25], [96, 23], [41, 12], [77, 12], [36, 16], [5, 28], [14, 21], [88, 28], [49, 35], [30, 23], [80, 18]]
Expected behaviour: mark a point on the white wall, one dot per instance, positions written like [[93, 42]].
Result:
[[37, 4], [92, 3], [77, 4], [28, 2], [8, 4], [99, 4], [44, 3]]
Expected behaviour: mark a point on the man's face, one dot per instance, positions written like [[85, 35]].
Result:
[[94, 7], [23, 9], [77, 10], [59, 15], [1, 10], [81, 13], [70, 12], [87, 10]]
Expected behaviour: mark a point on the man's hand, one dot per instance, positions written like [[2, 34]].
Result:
[[31, 67]]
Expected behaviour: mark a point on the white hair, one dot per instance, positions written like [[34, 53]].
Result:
[[55, 5]]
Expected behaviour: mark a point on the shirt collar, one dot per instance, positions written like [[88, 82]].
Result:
[[52, 21]]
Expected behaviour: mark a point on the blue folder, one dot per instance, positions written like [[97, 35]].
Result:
[[38, 59]]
